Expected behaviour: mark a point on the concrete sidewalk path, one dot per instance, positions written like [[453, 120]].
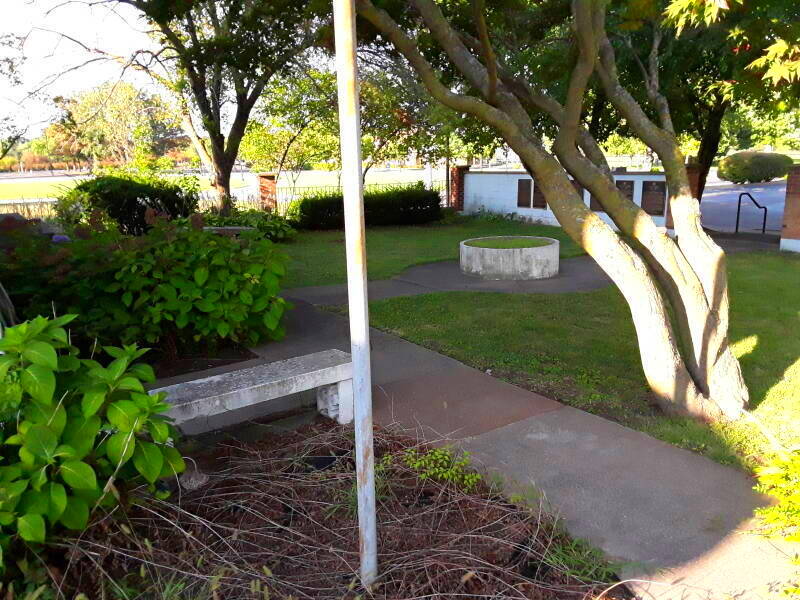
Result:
[[677, 522], [580, 274]]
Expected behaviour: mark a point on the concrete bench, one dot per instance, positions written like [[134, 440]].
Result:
[[329, 372]]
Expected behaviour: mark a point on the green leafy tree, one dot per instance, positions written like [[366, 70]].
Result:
[[114, 121], [694, 70], [217, 57], [745, 128], [295, 123]]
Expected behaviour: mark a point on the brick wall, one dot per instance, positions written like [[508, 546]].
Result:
[[268, 190], [790, 232], [693, 173], [456, 199]]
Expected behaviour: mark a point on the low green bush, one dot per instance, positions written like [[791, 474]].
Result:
[[126, 198], [76, 435], [272, 226], [753, 167], [444, 465], [175, 286], [402, 205]]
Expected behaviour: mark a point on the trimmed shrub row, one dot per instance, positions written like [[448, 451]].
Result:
[[406, 205], [754, 167]]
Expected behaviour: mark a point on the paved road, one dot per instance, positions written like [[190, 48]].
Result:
[[720, 199]]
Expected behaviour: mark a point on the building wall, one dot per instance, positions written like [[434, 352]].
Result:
[[514, 192]]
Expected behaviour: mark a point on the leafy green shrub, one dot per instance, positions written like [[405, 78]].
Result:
[[402, 205], [174, 285], [753, 167], [126, 197], [273, 226], [75, 433], [442, 464]]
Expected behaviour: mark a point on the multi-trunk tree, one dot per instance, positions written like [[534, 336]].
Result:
[[676, 289]]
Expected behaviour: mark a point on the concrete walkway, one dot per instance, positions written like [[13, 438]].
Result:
[[679, 523], [579, 274]]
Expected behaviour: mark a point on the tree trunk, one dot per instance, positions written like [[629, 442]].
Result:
[[697, 277], [664, 368], [709, 145], [221, 182], [367, 167]]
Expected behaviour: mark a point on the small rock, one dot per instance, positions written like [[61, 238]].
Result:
[[193, 479]]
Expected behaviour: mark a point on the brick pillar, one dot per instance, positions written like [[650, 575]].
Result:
[[693, 172], [456, 199], [268, 190], [790, 232]]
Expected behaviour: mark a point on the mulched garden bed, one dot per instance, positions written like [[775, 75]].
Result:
[[277, 519]]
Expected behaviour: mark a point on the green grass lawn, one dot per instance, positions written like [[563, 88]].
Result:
[[318, 257], [580, 348], [32, 190], [508, 243]]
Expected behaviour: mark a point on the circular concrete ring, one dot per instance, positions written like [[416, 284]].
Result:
[[512, 264]]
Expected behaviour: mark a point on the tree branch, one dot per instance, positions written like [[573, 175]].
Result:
[[479, 12]]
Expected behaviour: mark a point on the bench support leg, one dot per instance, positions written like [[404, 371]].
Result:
[[336, 401]]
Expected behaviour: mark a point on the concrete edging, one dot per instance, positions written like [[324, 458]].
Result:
[[513, 264]]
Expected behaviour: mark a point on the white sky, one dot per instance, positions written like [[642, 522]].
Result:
[[48, 54]]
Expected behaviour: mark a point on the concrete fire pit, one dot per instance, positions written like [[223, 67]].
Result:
[[514, 258]]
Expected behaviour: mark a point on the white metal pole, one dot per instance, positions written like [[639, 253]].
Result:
[[344, 17]]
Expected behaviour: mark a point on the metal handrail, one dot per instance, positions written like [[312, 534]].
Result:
[[753, 200]]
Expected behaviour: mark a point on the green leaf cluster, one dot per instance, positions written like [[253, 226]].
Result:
[[272, 226], [444, 465], [202, 285], [74, 432]]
